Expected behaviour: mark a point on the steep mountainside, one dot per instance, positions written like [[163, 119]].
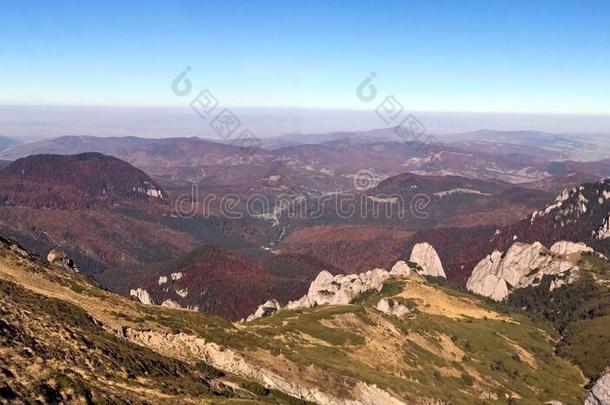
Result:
[[446, 347], [74, 202], [385, 219], [119, 227], [60, 344], [348, 248], [75, 181], [580, 311], [215, 280], [578, 214]]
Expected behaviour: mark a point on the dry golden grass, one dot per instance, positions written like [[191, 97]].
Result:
[[433, 301]]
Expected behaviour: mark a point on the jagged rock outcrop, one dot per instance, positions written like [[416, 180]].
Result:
[[169, 303], [182, 292], [19, 250], [401, 269], [565, 248], [59, 258], [600, 392], [391, 307], [604, 230], [484, 280], [425, 255], [341, 289], [142, 295], [267, 309], [524, 265]]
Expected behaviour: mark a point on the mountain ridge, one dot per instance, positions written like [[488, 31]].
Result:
[[435, 352], [75, 181]]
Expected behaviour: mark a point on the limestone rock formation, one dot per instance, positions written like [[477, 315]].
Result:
[[524, 265], [400, 269], [491, 286], [600, 392], [341, 289], [564, 248], [425, 255], [169, 303], [59, 258], [267, 309], [390, 307], [142, 295]]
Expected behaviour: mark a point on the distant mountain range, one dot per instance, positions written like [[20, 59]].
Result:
[[121, 225], [110, 206], [329, 162]]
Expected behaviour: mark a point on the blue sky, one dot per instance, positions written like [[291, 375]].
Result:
[[505, 56]]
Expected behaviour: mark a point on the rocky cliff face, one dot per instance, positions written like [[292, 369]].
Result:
[[402, 269], [579, 213], [575, 203], [341, 289], [566, 248], [267, 309], [425, 255], [59, 258], [392, 307], [141, 295], [600, 392], [524, 265]]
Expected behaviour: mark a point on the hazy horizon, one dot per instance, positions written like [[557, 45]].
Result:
[[135, 69], [31, 123]]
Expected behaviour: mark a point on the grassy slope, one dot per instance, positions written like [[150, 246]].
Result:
[[53, 350], [450, 348], [433, 353], [580, 312]]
